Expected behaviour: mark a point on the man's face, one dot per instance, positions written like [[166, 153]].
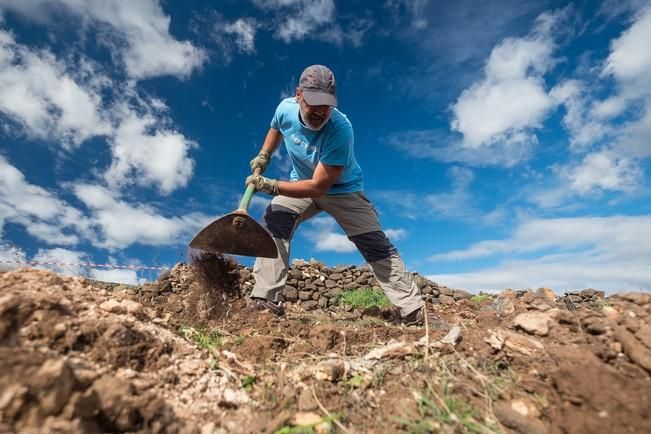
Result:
[[314, 116]]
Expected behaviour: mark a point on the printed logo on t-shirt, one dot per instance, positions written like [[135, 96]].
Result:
[[305, 145]]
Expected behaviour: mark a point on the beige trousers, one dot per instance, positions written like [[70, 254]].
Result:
[[359, 220]]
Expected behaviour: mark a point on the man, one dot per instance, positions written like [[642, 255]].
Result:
[[325, 176]]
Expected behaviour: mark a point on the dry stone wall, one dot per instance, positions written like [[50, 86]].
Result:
[[313, 285]]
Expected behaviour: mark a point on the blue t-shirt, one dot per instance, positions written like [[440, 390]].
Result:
[[332, 145]]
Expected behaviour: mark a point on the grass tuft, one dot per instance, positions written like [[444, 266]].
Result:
[[364, 298], [204, 338], [479, 298], [442, 411]]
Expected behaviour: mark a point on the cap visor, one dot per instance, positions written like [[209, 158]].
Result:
[[319, 98]]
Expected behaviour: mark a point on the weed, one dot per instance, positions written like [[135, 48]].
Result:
[[204, 338], [378, 376], [355, 381], [247, 382], [479, 298], [438, 409], [364, 298], [239, 340]]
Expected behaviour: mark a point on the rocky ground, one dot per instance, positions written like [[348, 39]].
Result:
[[186, 354]]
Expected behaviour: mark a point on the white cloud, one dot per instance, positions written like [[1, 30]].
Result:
[[129, 277], [38, 92], [630, 59], [296, 19], [583, 119], [140, 35], [10, 253], [244, 31], [396, 234], [609, 253], [511, 100], [62, 261], [325, 235], [610, 234], [414, 10], [145, 152], [40, 212], [605, 171], [121, 224]]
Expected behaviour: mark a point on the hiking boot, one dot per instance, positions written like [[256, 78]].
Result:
[[264, 304], [417, 319]]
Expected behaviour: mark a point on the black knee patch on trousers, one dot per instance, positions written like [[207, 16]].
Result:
[[280, 221], [373, 245]]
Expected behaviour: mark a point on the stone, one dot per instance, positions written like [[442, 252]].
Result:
[[635, 297], [133, 307], [460, 294], [446, 299], [426, 290], [504, 303], [361, 280], [306, 401], [54, 383], [545, 294], [453, 336], [330, 283], [591, 294], [113, 306], [517, 422], [323, 302], [446, 291], [536, 323], [304, 295], [515, 342], [330, 370], [644, 335], [336, 276], [611, 313], [290, 293], [636, 351], [310, 305]]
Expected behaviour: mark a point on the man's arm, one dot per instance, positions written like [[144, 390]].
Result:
[[323, 178], [272, 140]]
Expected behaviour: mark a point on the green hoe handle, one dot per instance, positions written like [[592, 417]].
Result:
[[248, 194]]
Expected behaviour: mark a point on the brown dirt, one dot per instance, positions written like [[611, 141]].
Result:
[[80, 356]]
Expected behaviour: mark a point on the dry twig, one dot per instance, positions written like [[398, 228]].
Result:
[[327, 413]]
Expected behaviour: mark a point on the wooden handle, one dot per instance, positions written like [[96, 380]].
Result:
[[248, 194]]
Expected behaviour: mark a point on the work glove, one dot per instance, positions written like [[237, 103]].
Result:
[[265, 185], [261, 161]]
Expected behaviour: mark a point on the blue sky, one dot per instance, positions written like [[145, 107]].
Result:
[[504, 143]]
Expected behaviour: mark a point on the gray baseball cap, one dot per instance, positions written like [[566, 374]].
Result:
[[318, 85]]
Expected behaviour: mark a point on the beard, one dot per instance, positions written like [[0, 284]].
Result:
[[313, 121]]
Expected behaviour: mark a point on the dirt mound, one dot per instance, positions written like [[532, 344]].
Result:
[[187, 354]]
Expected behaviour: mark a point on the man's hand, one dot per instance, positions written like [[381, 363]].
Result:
[[261, 161], [265, 185]]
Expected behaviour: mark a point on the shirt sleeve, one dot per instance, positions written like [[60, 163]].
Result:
[[338, 148], [277, 120]]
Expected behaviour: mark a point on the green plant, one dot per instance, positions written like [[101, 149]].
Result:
[[355, 381], [441, 408], [247, 382], [479, 298], [239, 340], [203, 338], [364, 298]]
